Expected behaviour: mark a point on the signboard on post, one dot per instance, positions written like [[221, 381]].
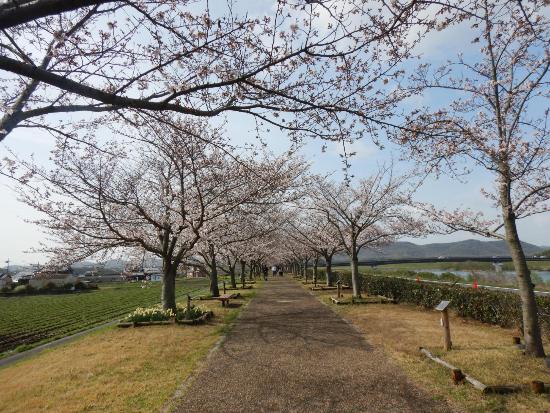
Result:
[[442, 306]]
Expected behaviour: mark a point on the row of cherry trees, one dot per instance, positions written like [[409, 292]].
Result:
[[327, 69], [176, 193]]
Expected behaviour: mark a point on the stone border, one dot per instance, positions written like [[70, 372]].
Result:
[[201, 320]]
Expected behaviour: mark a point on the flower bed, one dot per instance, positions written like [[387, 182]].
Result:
[[193, 315], [158, 316]]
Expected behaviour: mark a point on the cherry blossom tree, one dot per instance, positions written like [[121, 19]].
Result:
[[311, 68], [368, 214], [314, 230], [265, 182], [496, 120], [155, 194]]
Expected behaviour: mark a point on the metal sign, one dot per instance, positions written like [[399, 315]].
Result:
[[442, 305]]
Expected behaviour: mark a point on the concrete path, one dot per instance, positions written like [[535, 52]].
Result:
[[290, 353]]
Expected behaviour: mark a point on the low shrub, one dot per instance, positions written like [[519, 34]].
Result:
[[49, 287], [68, 286], [24, 289], [493, 307], [149, 314]]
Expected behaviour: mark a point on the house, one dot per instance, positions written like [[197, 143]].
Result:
[[154, 277], [5, 280], [196, 272], [58, 278], [23, 277]]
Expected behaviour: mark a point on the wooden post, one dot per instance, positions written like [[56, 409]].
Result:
[[224, 287], [537, 386], [442, 306], [339, 287], [457, 376], [188, 306], [446, 329]]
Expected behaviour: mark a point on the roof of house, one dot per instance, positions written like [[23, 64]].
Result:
[[46, 275]]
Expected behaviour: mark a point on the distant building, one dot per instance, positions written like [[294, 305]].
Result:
[[58, 278], [5, 280], [154, 277], [196, 272], [23, 277]]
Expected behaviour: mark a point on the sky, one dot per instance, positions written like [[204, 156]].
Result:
[[18, 236]]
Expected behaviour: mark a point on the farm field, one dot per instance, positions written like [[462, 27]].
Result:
[[27, 321], [115, 369]]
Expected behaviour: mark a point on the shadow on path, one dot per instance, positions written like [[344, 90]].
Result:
[[290, 353]]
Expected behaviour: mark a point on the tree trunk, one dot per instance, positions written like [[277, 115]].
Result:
[[250, 270], [168, 294], [232, 276], [531, 327], [315, 266], [355, 272], [243, 269], [214, 290], [328, 269]]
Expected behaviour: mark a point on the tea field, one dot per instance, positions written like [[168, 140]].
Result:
[[26, 321]]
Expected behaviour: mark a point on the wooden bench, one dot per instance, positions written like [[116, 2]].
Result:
[[225, 298]]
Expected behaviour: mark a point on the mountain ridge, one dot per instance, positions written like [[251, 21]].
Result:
[[466, 248]]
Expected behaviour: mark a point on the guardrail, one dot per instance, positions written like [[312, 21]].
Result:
[[495, 259]]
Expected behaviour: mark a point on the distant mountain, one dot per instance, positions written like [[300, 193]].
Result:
[[467, 248]]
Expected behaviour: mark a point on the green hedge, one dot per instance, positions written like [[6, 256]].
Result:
[[493, 307]]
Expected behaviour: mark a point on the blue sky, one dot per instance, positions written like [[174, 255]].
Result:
[[17, 236]]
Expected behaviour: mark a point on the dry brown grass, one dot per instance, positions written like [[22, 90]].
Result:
[[486, 352], [114, 370]]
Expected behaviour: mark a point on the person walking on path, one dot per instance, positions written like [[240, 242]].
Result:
[[274, 270], [264, 270]]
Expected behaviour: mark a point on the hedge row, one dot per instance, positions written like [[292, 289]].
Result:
[[493, 307]]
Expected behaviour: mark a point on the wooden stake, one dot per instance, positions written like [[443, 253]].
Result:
[[446, 330], [457, 376], [188, 306], [537, 386]]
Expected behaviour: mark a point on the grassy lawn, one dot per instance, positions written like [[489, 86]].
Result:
[[485, 352], [114, 370], [26, 321]]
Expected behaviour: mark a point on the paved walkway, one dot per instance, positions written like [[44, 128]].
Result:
[[290, 353]]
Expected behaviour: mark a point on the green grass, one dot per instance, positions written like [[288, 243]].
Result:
[[27, 321]]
